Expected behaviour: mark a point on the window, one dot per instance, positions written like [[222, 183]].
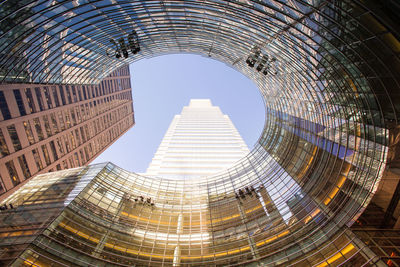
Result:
[[76, 159], [90, 149], [73, 116], [102, 88], [86, 153], [72, 138], [67, 145], [20, 102], [29, 133], [29, 98], [39, 98], [59, 145], [82, 135], [83, 114], [78, 115], [24, 166], [47, 96], [1, 186], [55, 96], [13, 172], [38, 161], [54, 123], [47, 126], [71, 162], [77, 137], [78, 90], [53, 150], [98, 125], [61, 120], [4, 107], [38, 128], [75, 98], [88, 113], [95, 127], [87, 132], [46, 155], [82, 156], [3, 145], [14, 137], [67, 120], [64, 102], [68, 93], [84, 92]]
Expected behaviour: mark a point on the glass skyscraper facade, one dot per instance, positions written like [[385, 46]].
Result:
[[200, 141], [328, 72], [102, 215]]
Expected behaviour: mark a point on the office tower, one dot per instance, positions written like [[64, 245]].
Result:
[[328, 73], [201, 141], [48, 127]]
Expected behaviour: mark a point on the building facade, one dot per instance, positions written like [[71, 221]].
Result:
[[201, 141], [328, 72], [102, 215], [48, 127]]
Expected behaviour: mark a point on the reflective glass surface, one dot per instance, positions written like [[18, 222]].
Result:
[[329, 75]]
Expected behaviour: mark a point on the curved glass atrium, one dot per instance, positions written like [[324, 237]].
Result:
[[329, 73]]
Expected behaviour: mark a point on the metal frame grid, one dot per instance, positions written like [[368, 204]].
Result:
[[315, 166]]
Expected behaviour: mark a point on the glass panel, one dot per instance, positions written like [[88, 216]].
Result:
[[14, 137], [53, 150], [39, 98], [4, 107], [46, 155], [20, 102], [38, 128], [24, 166], [12, 172], [38, 161], [3, 145], [29, 98], [28, 132]]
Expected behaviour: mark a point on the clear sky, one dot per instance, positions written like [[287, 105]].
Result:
[[161, 86]]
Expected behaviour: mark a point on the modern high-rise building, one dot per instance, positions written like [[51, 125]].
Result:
[[48, 127], [201, 141], [320, 188]]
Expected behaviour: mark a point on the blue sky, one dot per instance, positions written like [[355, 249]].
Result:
[[161, 86]]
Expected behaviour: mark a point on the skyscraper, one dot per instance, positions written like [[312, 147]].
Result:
[[48, 127], [329, 75], [199, 142]]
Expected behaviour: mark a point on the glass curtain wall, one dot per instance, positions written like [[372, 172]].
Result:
[[99, 215], [329, 75]]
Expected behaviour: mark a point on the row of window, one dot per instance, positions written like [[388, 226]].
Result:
[[64, 119], [56, 149], [44, 97], [122, 71]]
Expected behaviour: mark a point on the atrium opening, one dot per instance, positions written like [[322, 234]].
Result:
[[319, 188]]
